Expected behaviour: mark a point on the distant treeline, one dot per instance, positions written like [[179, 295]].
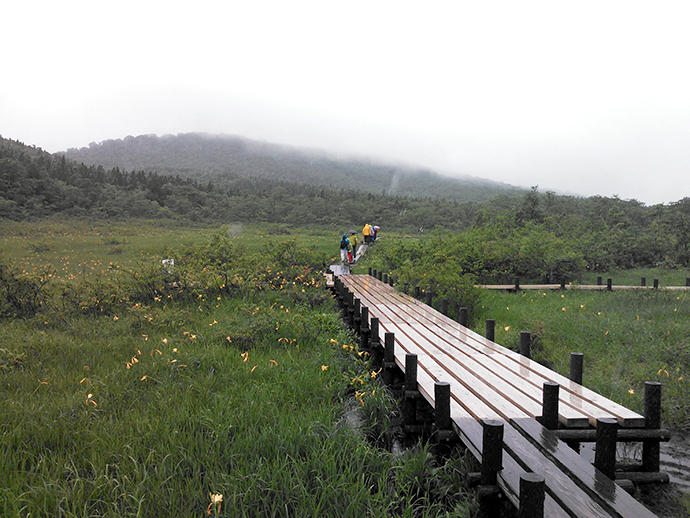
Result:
[[615, 233], [221, 158]]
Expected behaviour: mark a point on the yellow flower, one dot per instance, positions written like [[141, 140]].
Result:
[[324, 367], [631, 392], [245, 356], [506, 328], [216, 500]]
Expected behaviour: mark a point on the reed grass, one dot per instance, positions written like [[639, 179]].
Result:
[[627, 337], [147, 407]]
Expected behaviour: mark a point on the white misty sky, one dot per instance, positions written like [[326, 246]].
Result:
[[576, 97]]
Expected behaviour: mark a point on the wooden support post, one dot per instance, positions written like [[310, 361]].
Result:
[[652, 414], [687, 281], [463, 317], [375, 344], [406, 288], [370, 271], [376, 275], [411, 390], [428, 295], [605, 454], [357, 315], [609, 284], [364, 318], [656, 284], [576, 364], [411, 372], [532, 492], [442, 406], [350, 309], [388, 358], [380, 276], [417, 292], [444, 306], [599, 281], [364, 331], [517, 284], [492, 451], [525, 344], [562, 284], [643, 281], [549, 416], [490, 329], [385, 278], [492, 463], [391, 280]]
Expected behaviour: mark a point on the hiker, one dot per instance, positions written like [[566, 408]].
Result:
[[345, 250], [366, 232], [374, 232]]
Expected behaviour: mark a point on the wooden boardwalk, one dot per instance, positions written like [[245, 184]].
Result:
[[583, 287], [491, 385]]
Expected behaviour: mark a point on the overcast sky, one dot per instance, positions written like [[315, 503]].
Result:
[[576, 97]]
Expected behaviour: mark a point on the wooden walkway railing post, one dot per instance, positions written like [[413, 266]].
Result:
[[652, 414], [428, 296], [532, 495], [463, 317], [605, 454], [444, 306], [375, 344], [389, 364], [365, 332], [492, 463], [357, 315], [525, 344], [576, 364], [490, 326], [549, 418], [609, 284], [411, 393]]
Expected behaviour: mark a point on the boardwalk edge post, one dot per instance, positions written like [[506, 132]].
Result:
[[576, 364], [490, 325], [532, 494], [652, 413], [443, 425], [411, 392], [389, 364], [492, 463], [526, 344], [605, 454], [549, 417]]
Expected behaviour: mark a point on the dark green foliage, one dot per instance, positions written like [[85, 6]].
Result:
[[22, 294], [222, 159]]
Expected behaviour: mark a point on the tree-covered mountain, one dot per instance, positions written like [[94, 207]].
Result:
[[221, 158]]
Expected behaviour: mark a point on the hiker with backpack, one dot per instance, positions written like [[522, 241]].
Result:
[[345, 250]]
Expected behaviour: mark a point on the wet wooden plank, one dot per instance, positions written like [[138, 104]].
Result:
[[570, 415], [572, 394], [591, 480], [558, 484], [470, 432]]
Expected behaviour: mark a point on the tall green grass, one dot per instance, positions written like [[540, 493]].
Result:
[[627, 337], [143, 393]]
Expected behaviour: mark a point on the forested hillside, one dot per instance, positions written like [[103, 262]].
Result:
[[221, 158], [552, 235]]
